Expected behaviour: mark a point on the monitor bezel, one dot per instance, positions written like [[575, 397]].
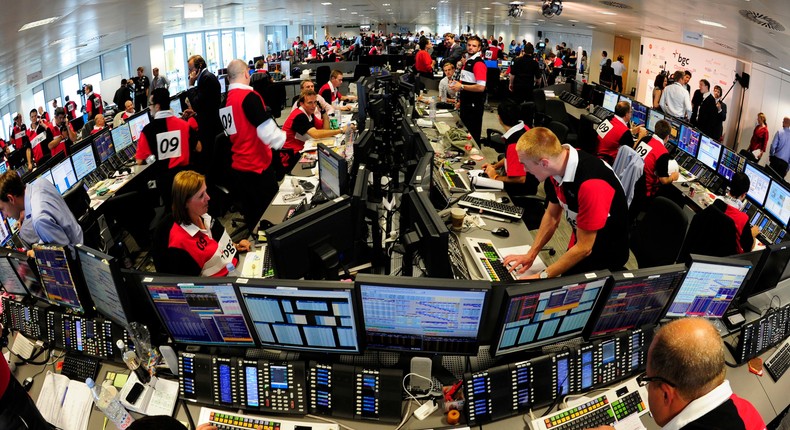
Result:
[[118, 280], [756, 167]]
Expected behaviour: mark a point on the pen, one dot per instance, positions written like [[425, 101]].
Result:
[[63, 400]]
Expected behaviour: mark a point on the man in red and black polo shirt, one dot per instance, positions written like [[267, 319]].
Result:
[[656, 158], [17, 409], [301, 125], [591, 196], [253, 135], [472, 87], [63, 132], [516, 180], [615, 132], [93, 103], [40, 134], [170, 140], [732, 206], [19, 133], [330, 91], [71, 108]]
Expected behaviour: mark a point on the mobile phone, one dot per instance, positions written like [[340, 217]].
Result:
[[135, 392]]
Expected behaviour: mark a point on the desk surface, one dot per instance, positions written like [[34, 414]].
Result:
[[119, 183]]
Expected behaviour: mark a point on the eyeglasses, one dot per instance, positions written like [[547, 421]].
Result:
[[643, 380]]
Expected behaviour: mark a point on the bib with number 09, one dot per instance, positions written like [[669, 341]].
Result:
[[603, 128], [228, 122], [168, 144]]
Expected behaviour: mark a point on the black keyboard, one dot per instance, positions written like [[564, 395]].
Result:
[[601, 113], [457, 263], [492, 207], [573, 99], [80, 367], [779, 361], [268, 267]]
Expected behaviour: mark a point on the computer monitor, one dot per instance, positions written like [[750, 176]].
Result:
[[84, 162], [122, 136], [332, 172], [58, 278], [625, 98], [759, 183], [638, 113], [548, 311], [709, 150], [137, 122], [587, 92], [674, 131], [636, 298], [9, 278], [770, 265], [103, 145], [492, 64], [730, 163], [362, 103], [77, 123], [27, 272], [653, 116], [710, 285], [422, 315], [687, 138], [423, 172], [303, 316], [610, 100], [303, 246], [778, 195], [5, 230], [427, 234], [105, 284], [64, 176], [199, 311], [46, 175]]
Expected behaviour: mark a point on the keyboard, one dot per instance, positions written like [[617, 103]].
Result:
[[488, 260], [573, 100], [491, 207], [454, 181], [232, 421], [778, 363], [80, 367], [606, 409], [258, 264], [457, 263], [601, 113]]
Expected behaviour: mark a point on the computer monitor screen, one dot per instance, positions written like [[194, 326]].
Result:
[[57, 276], [45, 176], [759, 183], [199, 311], [64, 176], [624, 98], [332, 172], [298, 246], [9, 279], [104, 146], [674, 131], [103, 278], [730, 163], [638, 113], [610, 100], [709, 151], [653, 116], [636, 298], [538, 313], [710, 285], [421, 314], [5, 230], [306, 316], [27, 272], [84, 162], [686, 138], [122, 136], [136, 124], [777, 203]]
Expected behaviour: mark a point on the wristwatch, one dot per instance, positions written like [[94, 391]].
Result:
[[544, 274], [462, 87]]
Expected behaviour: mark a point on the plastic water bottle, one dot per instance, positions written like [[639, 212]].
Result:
[[432, 109], [349, 144], [106, 399], [231, 267], [133, 362]]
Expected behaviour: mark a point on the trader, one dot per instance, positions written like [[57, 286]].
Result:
[[330, 91], [472, 87], [302, 124], [47, 217], [619, 134], [592, 198], [93, 103], [656, 157], [253, 137], [685, 381], [732, 206]]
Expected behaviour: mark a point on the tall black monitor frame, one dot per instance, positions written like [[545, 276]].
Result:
[[424, 232], [85, 304], [118, 290]]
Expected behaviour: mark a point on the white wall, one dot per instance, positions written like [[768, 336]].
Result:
[[769, 93], [600, 42], [142, 54]]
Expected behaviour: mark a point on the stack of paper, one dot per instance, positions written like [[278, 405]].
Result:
[[158, 397], [65, 403]]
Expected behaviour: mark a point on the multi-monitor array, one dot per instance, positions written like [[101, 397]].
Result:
[[410, 315]]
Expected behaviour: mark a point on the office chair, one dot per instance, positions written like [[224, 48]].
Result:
[[224, 197], [322, 74], [528, 113], [539, 98], [117, 119], [274, 96], [559, 129], [169, 260], [555, 108], [657, 240], [587, 139], [494, 140], [492, 84], [712, 233]]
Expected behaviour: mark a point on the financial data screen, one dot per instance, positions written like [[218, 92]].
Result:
[[653, 116], [638, 113], [759, 183], [730, 163], [610, 100], [205, 314], [137, 124], [121, 137], [104, 146], [8, 278], [64, 176], [708, 290], [778, 202], [102, 286], [84, 162], [709, 152], [686, 139], [56, 276]]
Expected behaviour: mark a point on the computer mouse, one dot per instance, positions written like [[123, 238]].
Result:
[[501, 232], [684, 185], [504, 200]]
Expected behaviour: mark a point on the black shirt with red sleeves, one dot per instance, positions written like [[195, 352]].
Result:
[[164, 122], [593, 200]]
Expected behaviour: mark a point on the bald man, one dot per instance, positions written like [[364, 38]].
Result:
[[253, 135], [685, 381]]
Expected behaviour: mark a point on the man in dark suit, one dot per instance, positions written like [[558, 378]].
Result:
[[205, 98], [708, 119], [454, 51]]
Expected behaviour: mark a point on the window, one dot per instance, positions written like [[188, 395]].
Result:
[[38, 99], [115, 63], [220, 49], [6, 123], [69, 86], [195, 44], [52, 92], [275, 38], [212, 51], [175, 63], [308, 32], [241, 45], [227, 48]]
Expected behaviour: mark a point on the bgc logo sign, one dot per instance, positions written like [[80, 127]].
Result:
[[683, 61]]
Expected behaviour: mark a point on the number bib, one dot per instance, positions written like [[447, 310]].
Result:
[[19, 135], [604, 128], [168, 144], [643, 149], [38, 139], [228, 123], [224, 255]]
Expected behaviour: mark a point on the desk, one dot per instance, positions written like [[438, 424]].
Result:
[[115, 189]]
